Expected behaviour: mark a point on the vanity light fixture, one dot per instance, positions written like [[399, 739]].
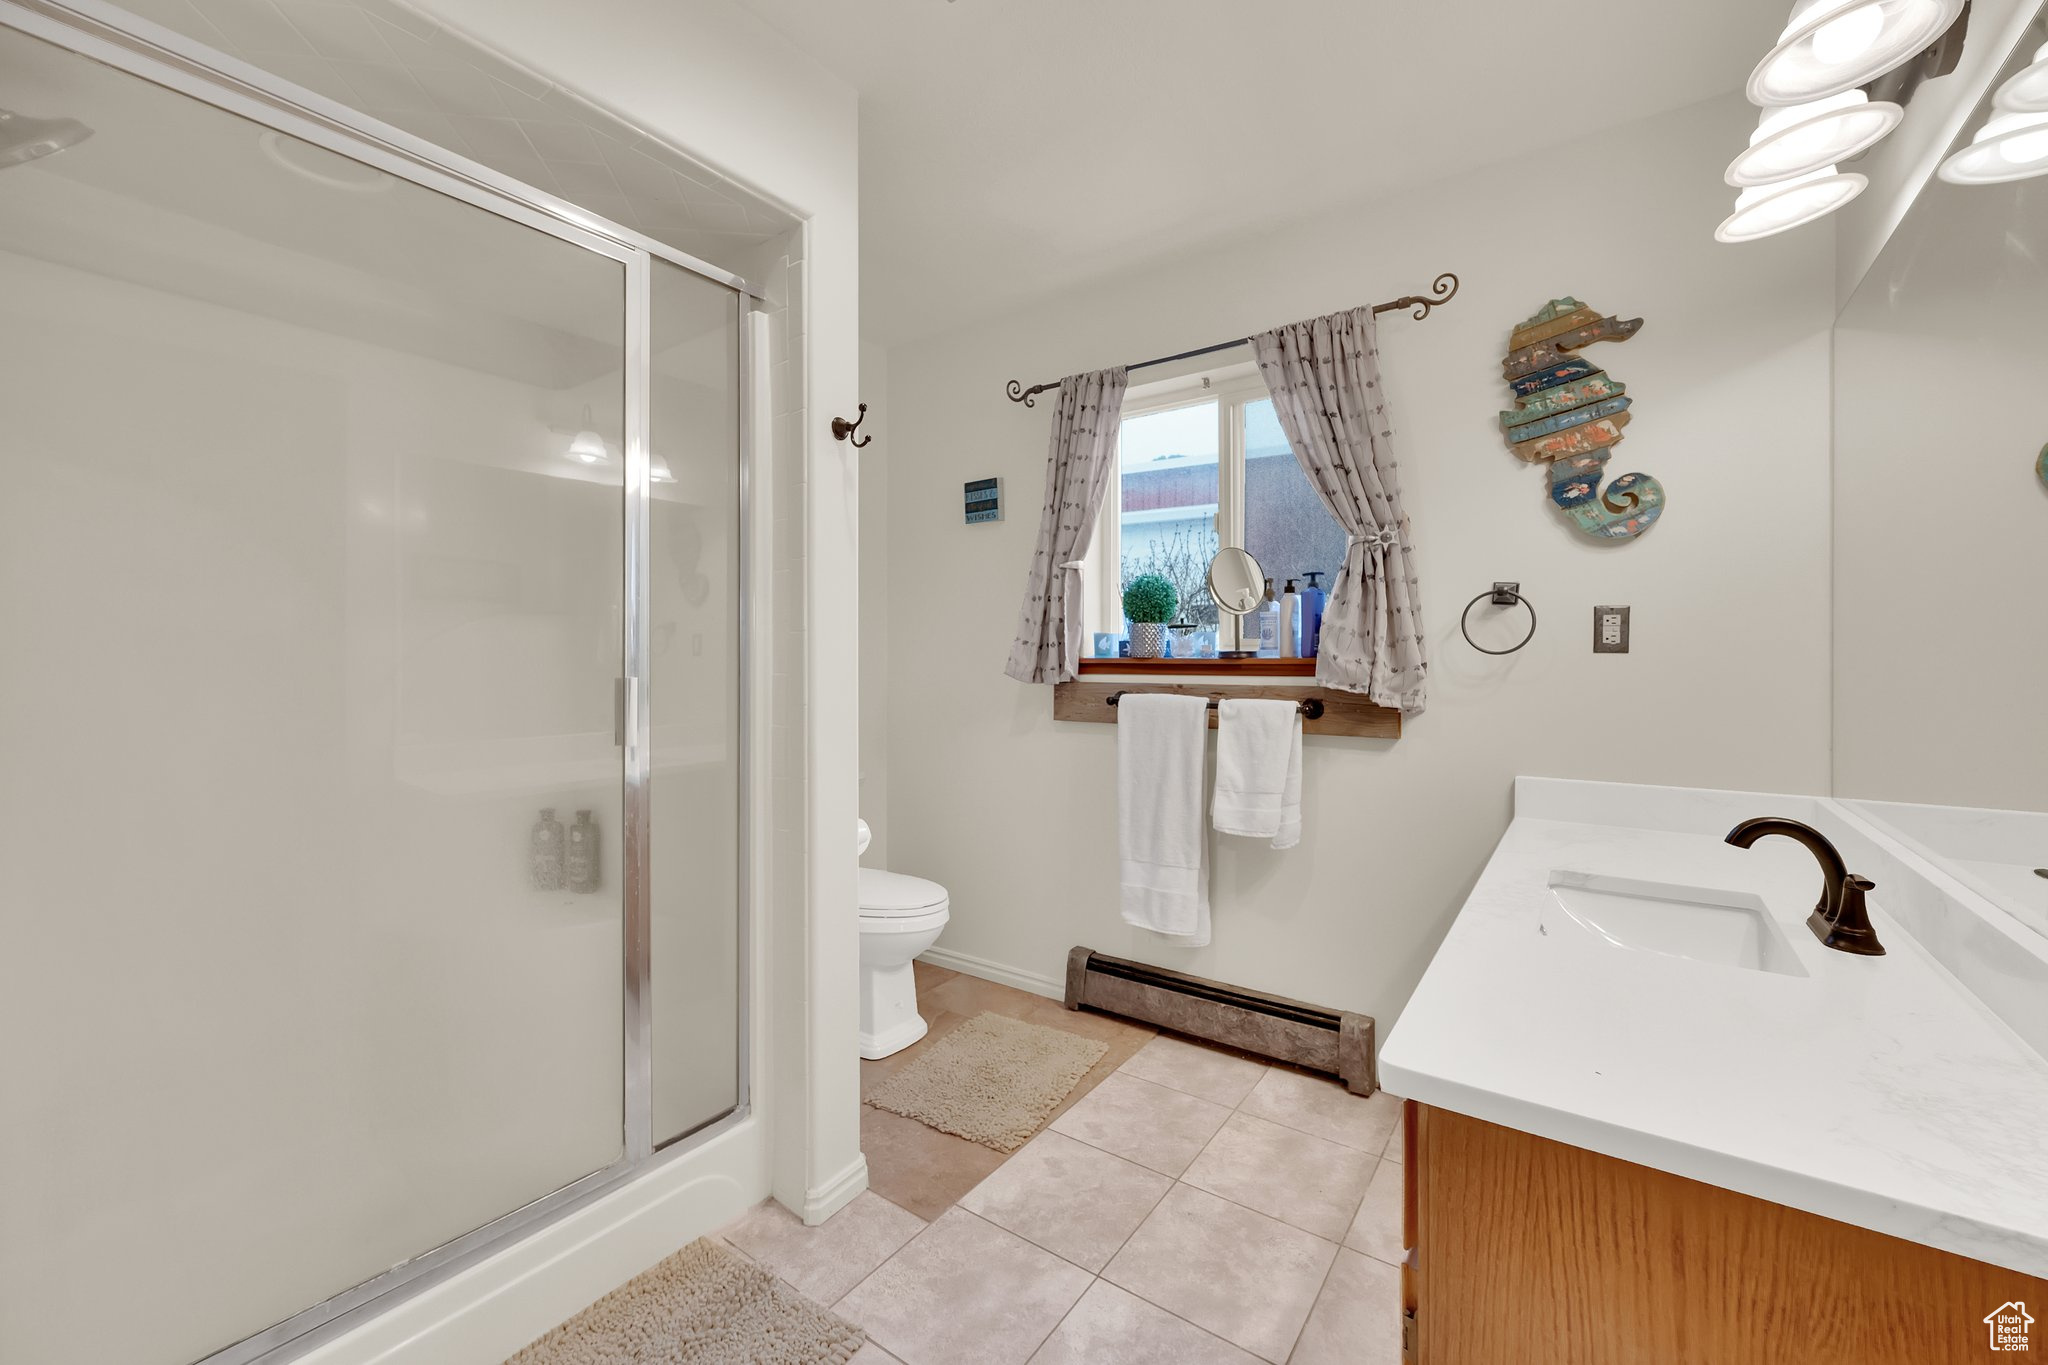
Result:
[[659, 472], [1829, 46], [2013, 143], [587, 447], [2026, 91], [1798, 139], [1762, 210]]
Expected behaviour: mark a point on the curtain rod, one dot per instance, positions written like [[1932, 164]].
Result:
[[1440, 291]]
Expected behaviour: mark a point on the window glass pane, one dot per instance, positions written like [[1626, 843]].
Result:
[[1167, 502], [1286, 527]]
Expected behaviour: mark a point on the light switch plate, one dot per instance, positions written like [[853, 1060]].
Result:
[[1610, 630]]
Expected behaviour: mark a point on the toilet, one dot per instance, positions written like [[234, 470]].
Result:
[[900, 917]]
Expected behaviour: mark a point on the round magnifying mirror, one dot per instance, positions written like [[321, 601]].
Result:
[[1235, 581]]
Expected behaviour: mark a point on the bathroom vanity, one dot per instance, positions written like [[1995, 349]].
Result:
[[1652, 1118]]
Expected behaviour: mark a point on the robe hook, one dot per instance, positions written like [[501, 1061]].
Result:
[[842, 430]]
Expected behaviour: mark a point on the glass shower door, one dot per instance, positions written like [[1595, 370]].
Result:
[[694, 785], [311, 547]]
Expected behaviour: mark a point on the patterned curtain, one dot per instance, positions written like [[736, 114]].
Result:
[[1077, 469], [1324, 375]]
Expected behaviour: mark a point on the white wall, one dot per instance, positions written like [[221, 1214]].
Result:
[[723, 85], [1727, 684]]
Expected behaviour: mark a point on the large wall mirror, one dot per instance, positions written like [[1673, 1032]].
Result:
[[1941, 532]]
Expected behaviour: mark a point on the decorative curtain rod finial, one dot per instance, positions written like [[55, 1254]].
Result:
[[1441, 291]]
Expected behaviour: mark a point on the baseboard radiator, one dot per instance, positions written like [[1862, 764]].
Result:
[[1335, 1041]]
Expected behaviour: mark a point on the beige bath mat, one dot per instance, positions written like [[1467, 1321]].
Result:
[[993, 1080], [705, 1305]]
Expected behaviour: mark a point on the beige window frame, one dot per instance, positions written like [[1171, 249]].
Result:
[[1231, 388]]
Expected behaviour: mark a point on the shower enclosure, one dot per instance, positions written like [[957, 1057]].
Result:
[[355, 507]]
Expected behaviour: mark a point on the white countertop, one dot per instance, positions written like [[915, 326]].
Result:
[[1875, 1091]]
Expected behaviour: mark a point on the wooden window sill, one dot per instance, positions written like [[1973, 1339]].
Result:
[[1249, 668]]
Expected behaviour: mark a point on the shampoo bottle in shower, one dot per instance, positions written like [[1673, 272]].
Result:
[[1311, 614], [580, 864], [544, 851], [1269, 625], [1290, 622]]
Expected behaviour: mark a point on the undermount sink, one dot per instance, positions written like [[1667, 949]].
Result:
[[1725, 928]]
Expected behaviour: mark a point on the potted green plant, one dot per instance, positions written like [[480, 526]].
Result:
[[1149, 603]]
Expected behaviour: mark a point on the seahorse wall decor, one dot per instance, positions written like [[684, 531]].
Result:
[[1569, 414]]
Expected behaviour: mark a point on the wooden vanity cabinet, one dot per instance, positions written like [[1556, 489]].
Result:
[[1526, 1251]]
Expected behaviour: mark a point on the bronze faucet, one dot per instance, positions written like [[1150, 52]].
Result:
[[1840, 920]]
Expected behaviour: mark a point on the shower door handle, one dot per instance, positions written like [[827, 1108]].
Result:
[[625, 706]]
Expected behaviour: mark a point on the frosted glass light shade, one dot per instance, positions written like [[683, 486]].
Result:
[[659, 472], [1798, 139], [588, 448], [2010, 146], [2026, 91], [1764, 210], [1830, 46]]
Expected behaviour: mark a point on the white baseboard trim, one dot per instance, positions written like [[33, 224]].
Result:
[[836, 1193], [1046, 986]]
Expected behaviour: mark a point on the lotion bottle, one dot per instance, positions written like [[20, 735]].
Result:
[[1269, 625], [1312, 614], [1290, 622], [544, 851], [580, 863]]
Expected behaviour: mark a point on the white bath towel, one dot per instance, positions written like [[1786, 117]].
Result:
[[1258, 770], [1162, 744]]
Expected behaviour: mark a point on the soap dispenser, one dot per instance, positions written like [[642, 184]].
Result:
[[1290, 622], [544, 851], [580, 864]]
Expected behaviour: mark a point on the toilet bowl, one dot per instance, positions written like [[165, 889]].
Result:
[[900, 917]]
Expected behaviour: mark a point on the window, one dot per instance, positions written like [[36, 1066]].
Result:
[[1202, 462]]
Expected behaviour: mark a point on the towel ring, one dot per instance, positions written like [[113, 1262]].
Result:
[[1503, 595]]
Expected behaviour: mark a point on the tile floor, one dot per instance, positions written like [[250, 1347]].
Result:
[[1187, 1205]]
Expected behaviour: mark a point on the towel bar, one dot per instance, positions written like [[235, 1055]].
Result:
[[1335, 712], [1311, 708]]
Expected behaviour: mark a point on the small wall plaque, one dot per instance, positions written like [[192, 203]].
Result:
[[984, 500]]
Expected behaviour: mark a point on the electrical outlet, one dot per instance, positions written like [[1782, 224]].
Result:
[[1610, 630]]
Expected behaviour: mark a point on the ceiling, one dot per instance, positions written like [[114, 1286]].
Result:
[[1008, 150]]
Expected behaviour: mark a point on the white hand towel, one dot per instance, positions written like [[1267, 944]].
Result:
[[1258, 770], [1162, 743]]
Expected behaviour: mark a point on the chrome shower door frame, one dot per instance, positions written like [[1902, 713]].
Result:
[[111, 36]]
